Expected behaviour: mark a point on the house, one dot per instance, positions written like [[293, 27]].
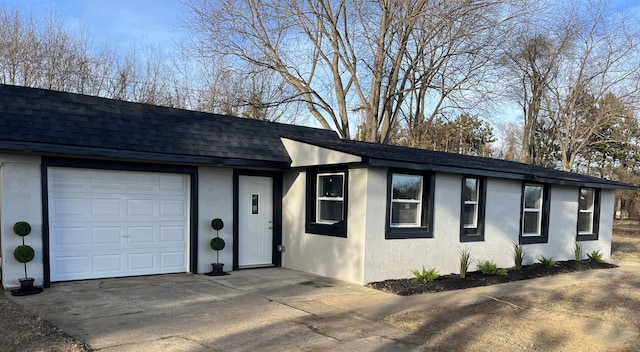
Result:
[[115, 189]]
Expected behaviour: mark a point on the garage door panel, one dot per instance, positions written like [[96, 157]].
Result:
[[107, 263], [141, 235], [116, 223], [141, 261], [171, 183], [105, 206], [170, 234], [172, 207], [144, 207], [136, 182], [68, 206], [171, 260], [71, 265], [105, 236], [105, 181], [65, 236]]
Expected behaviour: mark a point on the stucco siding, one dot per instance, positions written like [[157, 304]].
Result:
[[563, 217], [395, 258], [603, 244], [389, 259], [336, 257], [21, 201], [502, 222], [215, 200], [304, 154]]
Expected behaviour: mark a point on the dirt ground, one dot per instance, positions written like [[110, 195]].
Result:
[[604, 316], [599, 317]]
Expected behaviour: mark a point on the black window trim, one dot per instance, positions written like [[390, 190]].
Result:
[[338, 229], [475, 234], [544, 224], [596, 217], [426, 219]]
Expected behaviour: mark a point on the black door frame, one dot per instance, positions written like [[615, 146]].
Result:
[[277, 213]]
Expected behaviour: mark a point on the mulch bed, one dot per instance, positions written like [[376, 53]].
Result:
[[408, 287]]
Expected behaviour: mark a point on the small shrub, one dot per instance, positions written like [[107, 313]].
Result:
[[217, 224], [547, 261], [465, 261], [425, 276], [217, 244], [22, 228], [518, 256], [24, 254], [595, 256], [490, 268], [577, 250]]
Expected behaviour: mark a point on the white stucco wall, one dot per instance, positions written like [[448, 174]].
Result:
[[21, 201], [389, 259], [603, 244], [337, 257], [304, 154], [215, 200]]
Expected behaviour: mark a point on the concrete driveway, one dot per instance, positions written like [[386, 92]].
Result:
[[271, 309]]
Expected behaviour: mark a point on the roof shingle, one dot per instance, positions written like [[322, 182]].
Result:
[[60, 123]]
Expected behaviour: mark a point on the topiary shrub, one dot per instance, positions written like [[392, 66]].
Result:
[[217, 224], [22, 228], [217, 244], [24, 254]]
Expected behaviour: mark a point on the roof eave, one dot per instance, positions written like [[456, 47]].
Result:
[[498, 174], [92, 152]]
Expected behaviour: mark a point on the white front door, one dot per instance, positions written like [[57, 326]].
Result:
[[255, 221]]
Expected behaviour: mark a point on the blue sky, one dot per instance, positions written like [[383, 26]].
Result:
[[123, 22], [119, 22]]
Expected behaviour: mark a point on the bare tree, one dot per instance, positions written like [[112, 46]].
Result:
[[579, 53], [602, 61], [347, 54]]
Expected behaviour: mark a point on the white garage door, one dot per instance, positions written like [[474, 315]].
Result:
[[105, 223]]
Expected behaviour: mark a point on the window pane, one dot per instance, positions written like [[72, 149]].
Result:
[[329, 211], [330, 186], [585, 202], [533, 197], [470, 215], [471, 189], [585, 222], [404, 213], [530, 225], [254, 204], [407, 187]]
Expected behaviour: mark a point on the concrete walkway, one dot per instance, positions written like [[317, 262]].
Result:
[[270, 309]]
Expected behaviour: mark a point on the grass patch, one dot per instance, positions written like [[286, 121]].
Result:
[[425, 276], [547, 261], [490, 268], [465, 261]]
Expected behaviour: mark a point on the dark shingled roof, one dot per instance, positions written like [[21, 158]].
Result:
[[58, 123], [54, 122], [421, 159]]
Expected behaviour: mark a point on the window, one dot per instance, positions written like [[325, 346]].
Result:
[[330, 200], [326, 202], [588, 214], [472, 212], [535, 214], [409, 205]]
